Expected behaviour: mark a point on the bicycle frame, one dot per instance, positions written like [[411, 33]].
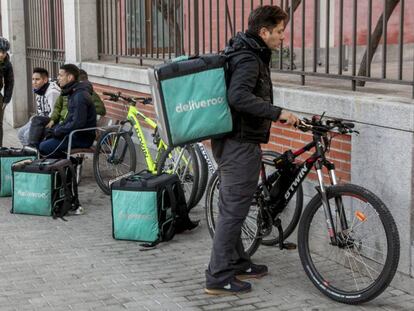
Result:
[[133, 112], [132, 118], [317, 160]]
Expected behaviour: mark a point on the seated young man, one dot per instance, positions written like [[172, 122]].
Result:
[[46, 96], [60, 111], [81, 114]]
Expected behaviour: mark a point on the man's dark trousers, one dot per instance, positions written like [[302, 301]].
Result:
[[238, 167]]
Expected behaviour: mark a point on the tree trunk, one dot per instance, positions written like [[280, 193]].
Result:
[[375, 39], [296, 4]]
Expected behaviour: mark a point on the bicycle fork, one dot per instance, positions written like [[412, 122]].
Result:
[[325, 202], [115, 146]]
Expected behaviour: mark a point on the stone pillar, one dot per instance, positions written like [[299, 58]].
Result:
[[81, 36], [12, 12]]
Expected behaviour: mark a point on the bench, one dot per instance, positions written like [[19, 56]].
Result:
[[82, 153]]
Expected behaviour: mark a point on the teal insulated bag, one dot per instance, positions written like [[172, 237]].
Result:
[[190, 98], [44, 187], [144, 207], [8, 156], [149, 208]]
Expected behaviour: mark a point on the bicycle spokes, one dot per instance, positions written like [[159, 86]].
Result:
[[360, 251]]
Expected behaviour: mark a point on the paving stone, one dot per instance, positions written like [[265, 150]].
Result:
[[48, 264]]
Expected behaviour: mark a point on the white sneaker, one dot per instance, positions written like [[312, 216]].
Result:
[[79, 211]]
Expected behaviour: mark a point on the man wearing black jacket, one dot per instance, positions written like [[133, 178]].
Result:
[[6, 80], [250, 95], [81, 114]]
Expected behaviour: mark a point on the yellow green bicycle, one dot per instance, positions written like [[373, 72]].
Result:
[[116, 154]]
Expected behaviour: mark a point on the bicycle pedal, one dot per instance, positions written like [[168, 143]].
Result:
[[289, 246]]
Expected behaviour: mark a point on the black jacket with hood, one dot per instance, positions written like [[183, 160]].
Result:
[[6, 79], [250, 91], [81, 111]]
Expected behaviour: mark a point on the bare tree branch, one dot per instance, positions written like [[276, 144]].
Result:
[[375, 39]]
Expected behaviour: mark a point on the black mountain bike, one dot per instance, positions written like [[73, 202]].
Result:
[[347, 238]]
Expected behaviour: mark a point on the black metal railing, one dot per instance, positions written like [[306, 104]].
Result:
[[1, 22], [45, 43], [325, 38]]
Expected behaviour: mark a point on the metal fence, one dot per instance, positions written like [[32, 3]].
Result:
[[1, 22], [45, 44], [323, 36]]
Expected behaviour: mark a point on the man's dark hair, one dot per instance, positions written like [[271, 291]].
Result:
[[268, 16], [42, 71], [83, 75], [71, 69]]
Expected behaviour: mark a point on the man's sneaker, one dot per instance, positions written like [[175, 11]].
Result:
[[79, 211], [232, 288], [254, 272], [31, 148]]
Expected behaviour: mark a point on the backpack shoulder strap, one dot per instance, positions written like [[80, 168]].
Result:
[[166, 236], [233, 54], [230, 55], [71, 200], [173, 201]]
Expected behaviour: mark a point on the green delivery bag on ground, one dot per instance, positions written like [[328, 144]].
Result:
[[190, 98], [148, 208], [8, 156], [44, 187]]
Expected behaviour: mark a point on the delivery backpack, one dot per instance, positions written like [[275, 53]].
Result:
[[149, 208], [44, 187], [38, 130], [190, 99], [8, 156]]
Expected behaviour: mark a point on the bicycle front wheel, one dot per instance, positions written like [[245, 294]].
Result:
[[183, 162], [250, 233], [114, 156], [363, 261]]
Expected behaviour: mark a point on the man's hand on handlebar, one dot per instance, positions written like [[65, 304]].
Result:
[[288, 118]]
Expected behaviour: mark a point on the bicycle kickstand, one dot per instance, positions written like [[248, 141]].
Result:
[[282, 244]]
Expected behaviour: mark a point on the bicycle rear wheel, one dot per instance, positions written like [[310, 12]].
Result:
[[183, 162], [290, 216], [114, 156], [250, 234], [366, 256]]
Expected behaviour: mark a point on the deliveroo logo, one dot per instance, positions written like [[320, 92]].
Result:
[[195, 105], [131, 216], [33, 195]]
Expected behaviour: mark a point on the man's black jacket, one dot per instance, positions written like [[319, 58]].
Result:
[[6, 79], [81, 111], [250, 91]]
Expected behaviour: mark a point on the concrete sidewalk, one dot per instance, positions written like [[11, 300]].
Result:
[[48, 264]]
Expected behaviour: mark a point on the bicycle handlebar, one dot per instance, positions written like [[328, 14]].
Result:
[[131, 100], [316, 125]]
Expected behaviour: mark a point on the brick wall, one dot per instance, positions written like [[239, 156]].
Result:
[[282, 137]]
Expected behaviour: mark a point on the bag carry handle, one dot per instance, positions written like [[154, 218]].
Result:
[[45, 162], [175, 61], [135, 177]]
